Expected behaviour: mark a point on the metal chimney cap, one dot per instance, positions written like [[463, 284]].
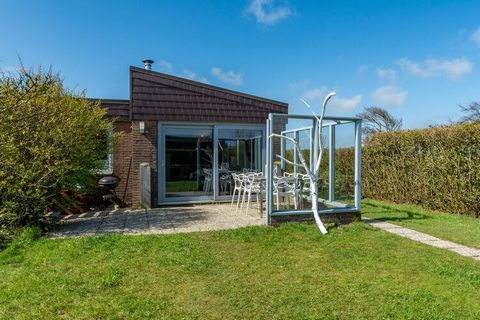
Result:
[[148, 63]]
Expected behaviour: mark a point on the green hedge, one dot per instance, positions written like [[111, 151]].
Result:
[[437, 168]]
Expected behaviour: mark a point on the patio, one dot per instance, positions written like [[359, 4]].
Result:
[[179, 219]]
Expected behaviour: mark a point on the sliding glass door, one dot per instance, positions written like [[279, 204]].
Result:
[[240, 150], [196, 163], [188, 162]]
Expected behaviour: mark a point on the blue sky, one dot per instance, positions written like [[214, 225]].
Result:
[[418, 59]]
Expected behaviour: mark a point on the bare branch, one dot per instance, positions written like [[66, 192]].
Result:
[[471, 113], [289, 162], [376, 119], [297, 147]]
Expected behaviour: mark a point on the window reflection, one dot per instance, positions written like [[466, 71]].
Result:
[[239, 150], [188, 162]]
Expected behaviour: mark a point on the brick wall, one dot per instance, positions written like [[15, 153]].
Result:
[[130, 149], [144, 149], [122, 157]]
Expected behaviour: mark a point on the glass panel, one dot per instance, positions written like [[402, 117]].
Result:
[[345, 163], [188, 162], [239, 150], [106, 151], [289, 154], [323, 181]]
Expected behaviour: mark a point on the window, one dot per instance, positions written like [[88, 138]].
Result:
[[107, 154]]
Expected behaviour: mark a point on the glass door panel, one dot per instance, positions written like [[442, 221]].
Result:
[[239, 150], [188, 162]]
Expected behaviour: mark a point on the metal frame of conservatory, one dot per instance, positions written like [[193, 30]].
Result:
[[330, 123]]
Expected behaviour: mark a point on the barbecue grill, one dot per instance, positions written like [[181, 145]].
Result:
[[108, 184]]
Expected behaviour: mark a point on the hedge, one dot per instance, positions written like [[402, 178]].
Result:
[[437, 168]]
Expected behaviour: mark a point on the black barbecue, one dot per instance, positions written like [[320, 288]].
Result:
[[108, 184]]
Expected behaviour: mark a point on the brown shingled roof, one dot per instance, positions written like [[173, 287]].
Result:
[[116, 108], [162, 97], [158, 96]]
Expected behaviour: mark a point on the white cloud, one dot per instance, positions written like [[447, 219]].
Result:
[[227, 77], [389, 96], [454, 68], [194, 76], [346, 105], [314, 94], [414, 68], [386, 73], [340, 105], [266, 13], [165, 65], [475, 37]]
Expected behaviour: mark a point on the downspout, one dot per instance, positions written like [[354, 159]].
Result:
[[128, 178]]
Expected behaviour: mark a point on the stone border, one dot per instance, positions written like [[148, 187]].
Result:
[[424, 238]]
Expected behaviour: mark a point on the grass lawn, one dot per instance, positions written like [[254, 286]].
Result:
[[460, 229], [290, 272], [182, 186]]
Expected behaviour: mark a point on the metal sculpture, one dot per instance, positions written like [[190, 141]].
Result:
[[312, 173]]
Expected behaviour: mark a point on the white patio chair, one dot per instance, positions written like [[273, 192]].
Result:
[[238, 187], [252, 184], [275, 171], [286, 187], [225, 182], [248, 170], [207, 183], [224, 166]]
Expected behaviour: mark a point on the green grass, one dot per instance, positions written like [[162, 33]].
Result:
[[290, 272], [182, 186], [457, 228]]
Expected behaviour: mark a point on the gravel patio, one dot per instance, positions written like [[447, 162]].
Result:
[[179, 219]]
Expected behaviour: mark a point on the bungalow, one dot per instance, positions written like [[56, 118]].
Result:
[[189, 133]]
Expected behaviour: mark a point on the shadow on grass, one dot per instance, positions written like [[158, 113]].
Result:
[[411, 215]]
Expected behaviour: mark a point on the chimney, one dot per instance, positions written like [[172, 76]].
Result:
[[148, 64]]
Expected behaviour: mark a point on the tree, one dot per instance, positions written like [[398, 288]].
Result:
[[376, 119], [51, 139], [471, 113]]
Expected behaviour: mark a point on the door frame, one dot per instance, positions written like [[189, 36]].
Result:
[[161, 181], [162, 156]]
